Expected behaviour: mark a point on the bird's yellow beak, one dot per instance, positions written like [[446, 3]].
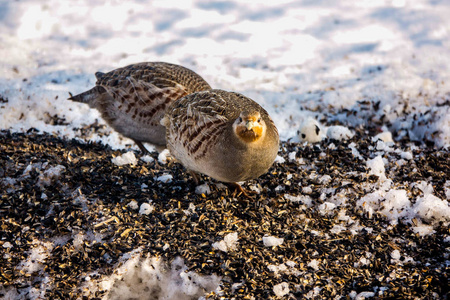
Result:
[[249, 124]]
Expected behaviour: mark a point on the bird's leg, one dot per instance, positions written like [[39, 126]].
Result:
[[195, 177], [238, 190], [141, 146]]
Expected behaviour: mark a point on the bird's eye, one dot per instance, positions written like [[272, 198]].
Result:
[[259, 120], [240, 119]]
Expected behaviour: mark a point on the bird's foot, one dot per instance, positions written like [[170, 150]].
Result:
[[142, 148], [195, 176], [238, 190]]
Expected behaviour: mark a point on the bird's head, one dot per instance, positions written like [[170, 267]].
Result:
[[249, 126]]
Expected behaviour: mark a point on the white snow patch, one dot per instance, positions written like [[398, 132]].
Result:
[[362, 295], [78, 240], [146, 208], [339, 133], [355, 151], [279, 160], [423, 229], [163, 156], [271, 241], [292, 156], [127, 158], [7, 245], [279, 188], [299, 198], [325, 179], [150, 278], [307, 190], [256, 188], [36, 257], [51, 174], [228, 243], [337, 229], [384, 146], [385, 136], [394, 204], [376, 166], [432, 209], [447, 189], [165, 178], [326, 208], [406, 155], [395, 255], [312, 294], [314, 264], [281, 289], [190, 210], [203, 189], [133, 204], [363, 260], [147, 158], [277, 269]]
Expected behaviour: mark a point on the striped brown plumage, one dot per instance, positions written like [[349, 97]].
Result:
[[133, 99], [224, 135]]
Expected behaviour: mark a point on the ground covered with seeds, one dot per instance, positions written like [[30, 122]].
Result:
[[76, 225]]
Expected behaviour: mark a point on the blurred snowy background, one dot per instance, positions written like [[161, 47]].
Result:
[[296, 58], [354, 63]]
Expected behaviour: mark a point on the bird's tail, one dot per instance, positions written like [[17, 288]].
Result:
[[88, 96]]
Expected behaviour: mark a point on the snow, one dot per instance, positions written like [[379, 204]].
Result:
[[147, 158], [385, 136], [326, 207], [312, 294], [447, 188], [279, 160], [163, 156], [148, 278], [307, 64], [281, 289], [292, 156], [228, 243], [396, 205], [78, 241], [355, 151], [362, 295], [314, 264], [339, 133], [271, 241], [127, 158], [277, 269], [190, 210], [406, 155], [203, 189], [376, 166], [355, 51], [432, 209], [52, 173], [165, 178], [36, 257], [133, 205], [423, 229], [7, 245], [146, 208], [395, 255], [363, 261]]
